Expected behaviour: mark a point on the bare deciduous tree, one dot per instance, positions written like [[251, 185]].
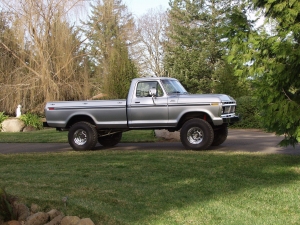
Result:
[[49, 55], [148, 51]]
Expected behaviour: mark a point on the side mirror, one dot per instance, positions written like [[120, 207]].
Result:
[[152, 92]]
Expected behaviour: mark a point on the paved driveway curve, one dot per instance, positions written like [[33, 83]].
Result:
[[238, 140]]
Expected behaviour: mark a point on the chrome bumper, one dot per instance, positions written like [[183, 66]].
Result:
[[231, 120]]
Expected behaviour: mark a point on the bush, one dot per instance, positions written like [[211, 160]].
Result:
[[249, 112], [2, 117], [6, 208], [32, 120]]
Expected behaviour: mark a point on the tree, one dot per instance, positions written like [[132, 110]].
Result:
[[120, 71], [109, 29], [273, 62], [195, 49], [50, 56], [10, 68], [148, 49], [230, 84]]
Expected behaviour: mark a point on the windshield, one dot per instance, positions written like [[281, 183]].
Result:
[[173, 87]]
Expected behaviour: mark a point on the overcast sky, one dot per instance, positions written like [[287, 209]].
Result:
[[140, 7]]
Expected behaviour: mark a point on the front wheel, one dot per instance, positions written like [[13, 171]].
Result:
[[196, 134], [220, 135], [82, 136], [110, 140]]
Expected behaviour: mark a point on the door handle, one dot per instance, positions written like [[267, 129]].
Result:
[[137, 102]]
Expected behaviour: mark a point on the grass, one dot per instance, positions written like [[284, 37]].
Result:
[[53, 136], [159, 187]]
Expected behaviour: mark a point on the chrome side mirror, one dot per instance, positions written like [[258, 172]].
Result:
[[152, 93]]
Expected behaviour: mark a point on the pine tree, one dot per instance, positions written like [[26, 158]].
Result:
[[195, 50], [272, 59], [108, 31]]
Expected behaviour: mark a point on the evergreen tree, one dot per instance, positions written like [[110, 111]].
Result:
[[195, 50], [108, 31], [273, 62]]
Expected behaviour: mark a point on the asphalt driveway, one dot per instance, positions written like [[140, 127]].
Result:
[[238, 140]]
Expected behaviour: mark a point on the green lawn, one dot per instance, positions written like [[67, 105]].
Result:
[[51, 135], [159, 187]]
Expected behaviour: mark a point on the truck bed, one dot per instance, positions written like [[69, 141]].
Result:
[[105, 113]]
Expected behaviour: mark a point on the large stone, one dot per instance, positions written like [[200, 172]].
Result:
[[53, 213], [85, 221], [12, 222], [29, 129], [21, 211], [34, 208], [168, 135], [56, 221], [39, 218], [12, 125], [70, 220]]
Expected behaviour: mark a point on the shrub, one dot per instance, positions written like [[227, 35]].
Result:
[[249, 112], [2, 118], [6, 206], [32, 120]]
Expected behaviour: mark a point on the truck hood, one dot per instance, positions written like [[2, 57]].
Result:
[[208, 98]]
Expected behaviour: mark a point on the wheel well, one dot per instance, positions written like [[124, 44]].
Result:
[[80, 118], [192, 115]]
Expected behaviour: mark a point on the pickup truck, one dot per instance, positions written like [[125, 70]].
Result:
[[152, 103]]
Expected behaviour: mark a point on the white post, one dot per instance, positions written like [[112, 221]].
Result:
[[18, 111]]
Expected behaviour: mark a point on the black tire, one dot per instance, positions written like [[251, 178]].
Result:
[[110, 140], [82, 136], [220, 135], [196, 134]]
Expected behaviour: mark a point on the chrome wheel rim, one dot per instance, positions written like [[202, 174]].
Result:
[[80, 137], [195, 135]]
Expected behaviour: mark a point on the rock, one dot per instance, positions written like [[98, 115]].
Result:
[[39, 218], [12, 125], [85, 221], [168, 135], [53, 213], [29, 129], [70, 220], [21, 211], [56, 221], [34, 208], [13, 222]]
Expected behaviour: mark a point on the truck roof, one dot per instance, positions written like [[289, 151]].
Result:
[[153, 78]]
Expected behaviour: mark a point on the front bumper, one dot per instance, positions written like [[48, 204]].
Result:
[[231, 120]]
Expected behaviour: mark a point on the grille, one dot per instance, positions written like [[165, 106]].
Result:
[[228, 109], [229, 103]]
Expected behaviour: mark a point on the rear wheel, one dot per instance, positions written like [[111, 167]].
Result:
[[220, 135], [196, 134], [110, 140], [82, 136]]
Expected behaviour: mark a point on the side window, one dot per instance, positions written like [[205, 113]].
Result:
[[143, 88], [159, 91]]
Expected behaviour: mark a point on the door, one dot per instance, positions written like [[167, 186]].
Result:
[[145, 110]]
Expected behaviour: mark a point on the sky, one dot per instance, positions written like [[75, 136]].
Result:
[[140, 7]]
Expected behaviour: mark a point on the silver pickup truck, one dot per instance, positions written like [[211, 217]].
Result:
[[152, 103]]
